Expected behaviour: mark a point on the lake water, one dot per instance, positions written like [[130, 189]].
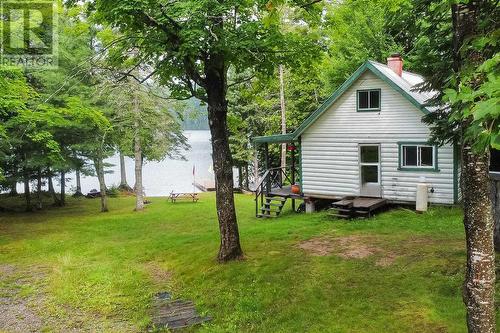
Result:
[[159, 179]]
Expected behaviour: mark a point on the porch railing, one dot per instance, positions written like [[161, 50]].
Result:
[[272, 179]]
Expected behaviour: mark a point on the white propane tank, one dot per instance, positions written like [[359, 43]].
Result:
[[422, 196]]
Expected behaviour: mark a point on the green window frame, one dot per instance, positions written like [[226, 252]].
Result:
[[419, 168], [369, 109]]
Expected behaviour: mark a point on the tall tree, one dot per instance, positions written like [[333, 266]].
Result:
[[192, 44], [455, 45], [478, 117], [145, 126]]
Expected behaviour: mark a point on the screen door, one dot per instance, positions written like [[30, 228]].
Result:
[[369, 167]]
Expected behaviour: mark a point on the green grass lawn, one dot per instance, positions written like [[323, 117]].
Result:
[[102, 269]]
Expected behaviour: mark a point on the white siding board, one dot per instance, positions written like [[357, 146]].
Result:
[[330, 147]]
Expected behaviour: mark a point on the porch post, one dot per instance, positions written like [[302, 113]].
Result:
[[256, 167], [266, 156]]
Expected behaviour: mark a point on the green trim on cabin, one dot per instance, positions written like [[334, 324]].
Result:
[[456, 160], [369, 110], [346, 85], [435, 168], [278, 138], [409, 97], [300, 163]]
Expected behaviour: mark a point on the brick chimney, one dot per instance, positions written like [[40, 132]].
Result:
[[395, 62]]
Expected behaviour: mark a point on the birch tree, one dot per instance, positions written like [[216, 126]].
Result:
[[455, 46]]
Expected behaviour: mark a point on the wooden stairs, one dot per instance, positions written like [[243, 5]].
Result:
[[356, 207], [272, 207]]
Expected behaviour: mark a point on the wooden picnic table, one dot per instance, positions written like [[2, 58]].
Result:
[[177, 196]]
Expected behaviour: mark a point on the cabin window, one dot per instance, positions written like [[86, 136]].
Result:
[[417, 157], [368, 100]]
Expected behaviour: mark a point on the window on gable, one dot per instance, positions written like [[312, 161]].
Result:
[[369, 100], [417, 156]]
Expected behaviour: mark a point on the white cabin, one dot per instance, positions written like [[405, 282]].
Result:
[[368, 139]]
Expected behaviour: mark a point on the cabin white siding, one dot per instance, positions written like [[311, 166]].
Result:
[[330, 161]]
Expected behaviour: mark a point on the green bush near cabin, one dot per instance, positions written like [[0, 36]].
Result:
[[106, 267]]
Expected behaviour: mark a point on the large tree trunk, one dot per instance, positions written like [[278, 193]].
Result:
[[63, 188], [230, 248], [39, 190], [52, 191], [479, 285], [139, 193], [78, 192], [27, 193], [124, 186], [99, 169]]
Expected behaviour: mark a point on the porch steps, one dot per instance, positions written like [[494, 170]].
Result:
[[358, 207], [273, 206]]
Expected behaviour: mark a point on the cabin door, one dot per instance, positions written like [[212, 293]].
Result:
[[369, 170]]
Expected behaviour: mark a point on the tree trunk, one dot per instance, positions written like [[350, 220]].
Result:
[[27, 193], [78, 192], [283, 116], [124, 186], [479, 285], [246, 177], [13, 190], [63, 188], [39, 190], [139, 193], [99, 169], [52, 192], [256, 168], [216, 87], [240, 177]]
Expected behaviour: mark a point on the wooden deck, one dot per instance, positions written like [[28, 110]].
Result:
[[285, 192], [357, 207]]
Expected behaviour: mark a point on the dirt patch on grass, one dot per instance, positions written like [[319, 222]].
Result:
[[159, 275], [318, 246], [348, 247], [24, 302], [386, 260], [18, 303]]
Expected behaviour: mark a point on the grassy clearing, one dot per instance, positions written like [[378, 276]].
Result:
[[105, 267]]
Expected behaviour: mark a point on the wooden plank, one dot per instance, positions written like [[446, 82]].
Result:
[[343, 203], [370, 203], [174, 314]]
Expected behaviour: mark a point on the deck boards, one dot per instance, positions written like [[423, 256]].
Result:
[[285, 191], [357, 207]]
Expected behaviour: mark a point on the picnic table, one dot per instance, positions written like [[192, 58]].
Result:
[[178, 196], [93, 194]]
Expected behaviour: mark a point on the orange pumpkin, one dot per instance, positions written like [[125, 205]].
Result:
[[295, 189]]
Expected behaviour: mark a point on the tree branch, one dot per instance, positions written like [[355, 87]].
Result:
[[241, 81], [310, 3]]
